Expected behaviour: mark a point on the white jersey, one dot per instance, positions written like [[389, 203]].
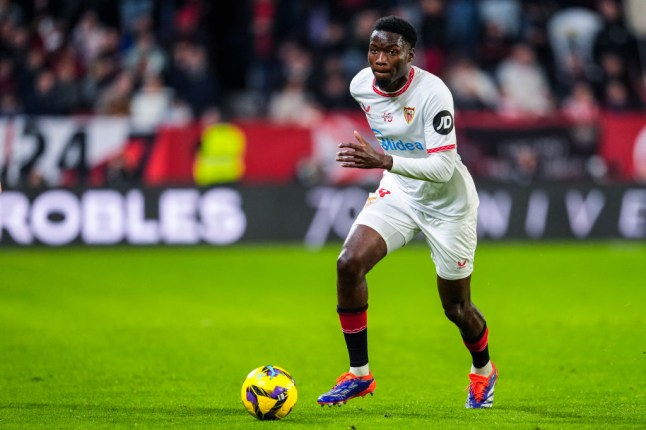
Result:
[[415, 126]]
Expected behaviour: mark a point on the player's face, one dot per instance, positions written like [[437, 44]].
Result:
[[390, 59]]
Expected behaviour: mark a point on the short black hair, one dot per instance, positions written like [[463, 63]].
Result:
[[394, 24]]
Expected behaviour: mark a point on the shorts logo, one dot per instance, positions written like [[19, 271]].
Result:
[[443, 122], [383, 192], [462, 264], [409, 113]]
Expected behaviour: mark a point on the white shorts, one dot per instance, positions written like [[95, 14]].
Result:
[[453, 243]]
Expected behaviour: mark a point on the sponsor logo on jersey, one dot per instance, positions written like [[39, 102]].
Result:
[[366, 109], [443, 122], [387, 116], [409, 113], [395, 144]]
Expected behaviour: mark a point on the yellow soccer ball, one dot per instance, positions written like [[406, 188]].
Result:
[[269, 393]]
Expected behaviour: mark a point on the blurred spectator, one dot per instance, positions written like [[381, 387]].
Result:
[[51, 33], [68, 88], [9, 105], [186, 20], [472, 88], [29, 67], [493, 47], [580, 105], [615, 45], [115, 98], [463, 25], [635, 18], [9, 11], [616, 97], [359, 33], [100, 74], [17, 43], [615, 79], [523, 84], [135, 17], [504, 14], [145, 57], [7, 82], [150, 105], [294, 104], [44, 99], [582, 109], [613, 36], [88, 37], [264, 69], [433, 35], [191, 77], [333, 92], [571, 32], [536, 15]]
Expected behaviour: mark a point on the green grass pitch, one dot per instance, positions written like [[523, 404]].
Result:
[[163, 337]]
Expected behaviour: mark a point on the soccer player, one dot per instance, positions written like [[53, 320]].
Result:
[[425, 187]]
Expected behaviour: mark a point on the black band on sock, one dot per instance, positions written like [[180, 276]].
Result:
[[357, 344], [480, 358], [351, 310]]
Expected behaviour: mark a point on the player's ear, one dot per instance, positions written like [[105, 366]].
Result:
[[411, 55]]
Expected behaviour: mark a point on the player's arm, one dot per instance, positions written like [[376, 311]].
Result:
[[440, 139], [361, 155], [437, 167]]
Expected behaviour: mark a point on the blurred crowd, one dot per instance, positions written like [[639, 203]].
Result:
[[292, 61]]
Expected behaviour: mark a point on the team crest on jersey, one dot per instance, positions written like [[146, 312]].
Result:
[[409, 113]]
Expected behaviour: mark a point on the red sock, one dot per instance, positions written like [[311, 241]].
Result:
[[354, 323], [479, 348]]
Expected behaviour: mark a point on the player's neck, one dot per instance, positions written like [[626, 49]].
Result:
[[394, 86]]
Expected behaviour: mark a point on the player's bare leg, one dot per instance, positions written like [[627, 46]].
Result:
[[456, 301], [363, 248]]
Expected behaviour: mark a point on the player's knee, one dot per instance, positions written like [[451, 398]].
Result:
[[455, 312], [349, 267]]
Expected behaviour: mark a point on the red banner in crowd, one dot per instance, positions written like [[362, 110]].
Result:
[[623, 145]]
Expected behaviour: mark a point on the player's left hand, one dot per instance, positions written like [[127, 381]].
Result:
[[362, 156]]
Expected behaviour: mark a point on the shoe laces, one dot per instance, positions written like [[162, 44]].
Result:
[[345, 377], [478, 386]]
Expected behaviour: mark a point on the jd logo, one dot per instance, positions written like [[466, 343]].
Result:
[[443, 122]]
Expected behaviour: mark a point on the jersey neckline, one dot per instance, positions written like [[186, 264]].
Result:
[[400, 91]]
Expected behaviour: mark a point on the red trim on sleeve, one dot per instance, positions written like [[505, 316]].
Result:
[[398, 92], [441, 148]]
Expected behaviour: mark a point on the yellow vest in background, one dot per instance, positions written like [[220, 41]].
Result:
[[221, 155]]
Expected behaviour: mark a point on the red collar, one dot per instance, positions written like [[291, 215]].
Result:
[[399, 91]]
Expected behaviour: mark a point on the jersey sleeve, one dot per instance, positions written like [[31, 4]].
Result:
[[440, 141]]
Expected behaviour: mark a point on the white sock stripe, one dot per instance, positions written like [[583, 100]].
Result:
[[356, 330]]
